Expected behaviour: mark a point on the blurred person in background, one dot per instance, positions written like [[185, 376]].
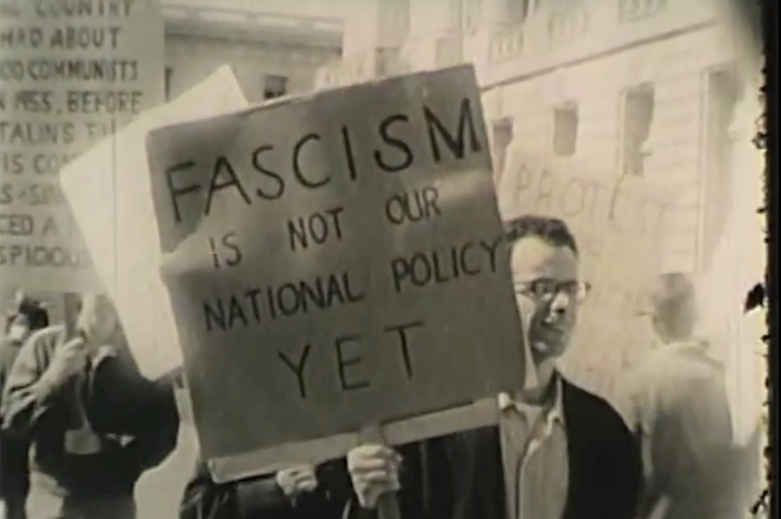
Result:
[[27, 317], [677, 404], [301, 492], [94, 423]]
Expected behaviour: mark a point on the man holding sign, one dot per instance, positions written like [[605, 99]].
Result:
[[338, 261], [558, 452]]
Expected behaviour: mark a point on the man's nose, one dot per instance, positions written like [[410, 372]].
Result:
[[560, 303]]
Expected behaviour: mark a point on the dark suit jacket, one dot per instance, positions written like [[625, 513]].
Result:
[[261, 498], [461, 476], [455, 477]]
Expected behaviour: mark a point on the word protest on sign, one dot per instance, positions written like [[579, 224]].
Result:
[[71, 73], [618, 223], [116, 216], [335, 262]]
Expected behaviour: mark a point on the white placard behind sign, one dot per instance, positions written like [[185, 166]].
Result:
[[335, 262], [618, 223], [117, 218], [72, 73]]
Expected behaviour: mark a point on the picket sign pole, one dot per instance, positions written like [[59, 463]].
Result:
[[82, 440], [387, 504], [70, 305]]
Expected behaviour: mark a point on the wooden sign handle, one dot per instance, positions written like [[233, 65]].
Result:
[[70, 308], [83, 439], [387, 504], [388, 507]]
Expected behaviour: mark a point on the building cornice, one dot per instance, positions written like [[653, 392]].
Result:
[[212, 22]]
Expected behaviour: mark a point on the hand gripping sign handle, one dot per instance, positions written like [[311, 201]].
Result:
[[387, 504], [83, 439]]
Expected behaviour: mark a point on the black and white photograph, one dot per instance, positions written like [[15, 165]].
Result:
[[385, 259]]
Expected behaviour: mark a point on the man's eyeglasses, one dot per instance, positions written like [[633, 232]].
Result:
[[546, 289]]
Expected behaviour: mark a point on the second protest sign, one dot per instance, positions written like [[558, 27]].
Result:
[[335, 262]]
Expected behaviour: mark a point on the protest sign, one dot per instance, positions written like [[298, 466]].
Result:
[[70, 74], [336, 262], [618, 223], [116, 216]]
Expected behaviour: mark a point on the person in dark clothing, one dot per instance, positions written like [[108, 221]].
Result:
[[557, 452], [94, 422], [295, 493], [28, 317]]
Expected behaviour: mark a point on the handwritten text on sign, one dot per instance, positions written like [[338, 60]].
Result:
[[336, 261], [70, 74], [618, 223]]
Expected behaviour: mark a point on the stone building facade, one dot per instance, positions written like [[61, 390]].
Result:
[[630, 87]]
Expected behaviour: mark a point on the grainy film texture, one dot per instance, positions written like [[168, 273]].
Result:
[[392, 259]]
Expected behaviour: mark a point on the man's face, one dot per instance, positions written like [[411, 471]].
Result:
[[19, 329], [97, 320], [547, 289]]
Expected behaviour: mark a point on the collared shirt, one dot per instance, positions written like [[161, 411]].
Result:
[[534, 451]]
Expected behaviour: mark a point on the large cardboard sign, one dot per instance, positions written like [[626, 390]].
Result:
[[618, 223], [71, 73], [335, 262], [116, 216]]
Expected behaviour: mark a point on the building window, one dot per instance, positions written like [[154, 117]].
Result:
[[722, 97], [565, 130], [470, 14], [519, 10], [502, 138], [634, 10], [169, 74], [274, 86], [638, 116]]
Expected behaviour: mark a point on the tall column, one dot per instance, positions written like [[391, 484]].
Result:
[[434, 39], [375, 24], [371, 27], [499, 24]]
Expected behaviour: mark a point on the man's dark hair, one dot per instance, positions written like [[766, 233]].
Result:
[[550, 230], [33, 311]]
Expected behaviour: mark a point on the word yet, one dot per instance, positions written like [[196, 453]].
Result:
[[256, 305], [393, 155], [315, 228], [438, 267], [347, 356]]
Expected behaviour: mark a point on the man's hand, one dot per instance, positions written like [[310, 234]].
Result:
[[69, 360], [297, 480], [374, 470]]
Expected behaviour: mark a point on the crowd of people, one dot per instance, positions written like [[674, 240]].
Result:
[[81, 425]]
